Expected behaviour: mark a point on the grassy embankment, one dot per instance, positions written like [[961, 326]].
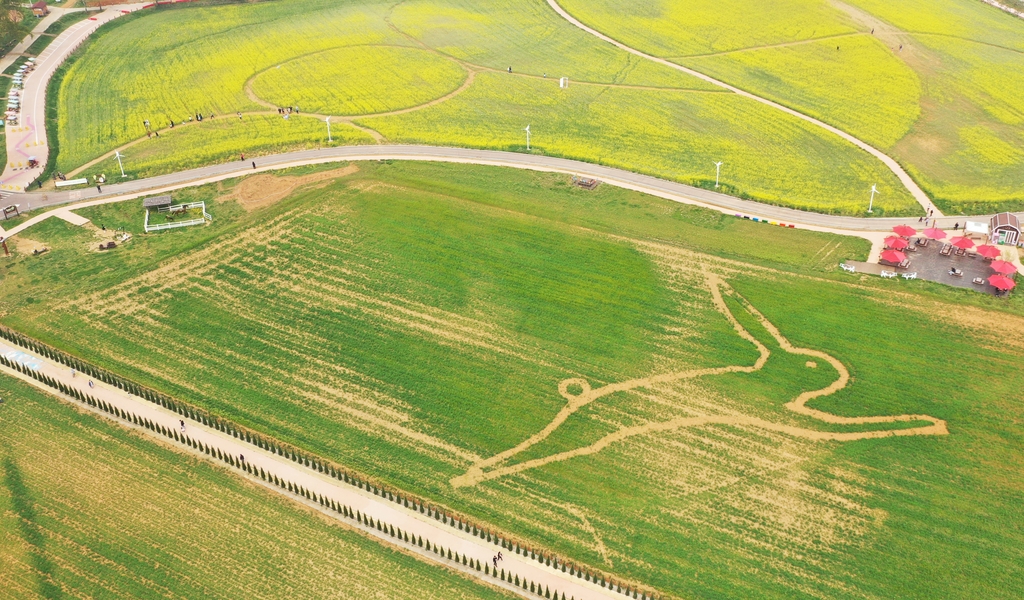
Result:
[[619, 109], [411, 319]]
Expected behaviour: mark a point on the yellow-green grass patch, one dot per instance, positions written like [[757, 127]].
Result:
[[855, 83], [674, 28], [769, 156], [224, 139], [530, 38], [202, 68]]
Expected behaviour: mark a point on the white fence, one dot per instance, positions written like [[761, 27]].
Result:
[[176, 224]]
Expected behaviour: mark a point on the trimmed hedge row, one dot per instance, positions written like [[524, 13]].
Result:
[[274, 446]]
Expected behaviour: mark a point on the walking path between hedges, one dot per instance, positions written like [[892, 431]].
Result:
[[908, 182], [368, 504]]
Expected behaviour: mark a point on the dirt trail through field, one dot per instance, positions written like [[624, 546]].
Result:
[[477, 472]]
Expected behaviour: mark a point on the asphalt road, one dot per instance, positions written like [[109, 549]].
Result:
[[652, 185]]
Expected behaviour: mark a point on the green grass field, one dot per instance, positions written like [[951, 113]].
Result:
[[619, 109], [88, 509], [931, 83], [412, 320]]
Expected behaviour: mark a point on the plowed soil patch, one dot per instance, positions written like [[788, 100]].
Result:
[[261, 191]]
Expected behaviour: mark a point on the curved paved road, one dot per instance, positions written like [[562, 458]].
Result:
[[379, 508], [669, 190], [893, 166], [28, 138]]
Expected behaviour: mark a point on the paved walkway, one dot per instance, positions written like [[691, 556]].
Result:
[[669, 190], [376, 507], [28, 137], [15, 53], [893, 166]]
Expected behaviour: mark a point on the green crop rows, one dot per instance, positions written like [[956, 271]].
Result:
[[90, 510], [411, 319], [371, 57]]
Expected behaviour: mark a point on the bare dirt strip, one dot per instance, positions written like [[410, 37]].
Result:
[[478, 472], [368, 504]]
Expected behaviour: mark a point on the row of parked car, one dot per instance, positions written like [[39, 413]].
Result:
[[14, 95]]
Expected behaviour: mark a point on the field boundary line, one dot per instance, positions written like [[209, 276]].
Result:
[[907, 181]]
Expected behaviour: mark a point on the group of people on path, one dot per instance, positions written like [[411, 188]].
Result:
[[496, 558]]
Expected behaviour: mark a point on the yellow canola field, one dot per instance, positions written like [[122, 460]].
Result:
[[359, 80]]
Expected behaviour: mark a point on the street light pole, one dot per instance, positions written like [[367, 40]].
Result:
[[117, 153], [329, 140], [718, 172], [871, 203], [527, 138]]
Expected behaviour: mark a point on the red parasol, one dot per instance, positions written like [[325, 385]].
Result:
[[904, 230], [896, 243], [934, 233], [893, 256], [1003, 267], [988, 251], [962, 242], [1001, 282]]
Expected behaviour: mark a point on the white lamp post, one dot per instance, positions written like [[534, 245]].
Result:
[[527, 138], [718, 172], [329, 140], [117, 153], [871, 203]]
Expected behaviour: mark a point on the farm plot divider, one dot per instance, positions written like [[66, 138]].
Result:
[[199, 415]]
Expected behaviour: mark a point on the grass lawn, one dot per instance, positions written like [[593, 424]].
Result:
[[928, 82], [88, 509], [619, 109], [411, 320]]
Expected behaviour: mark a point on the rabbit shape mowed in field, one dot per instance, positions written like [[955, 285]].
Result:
[[497, 466]]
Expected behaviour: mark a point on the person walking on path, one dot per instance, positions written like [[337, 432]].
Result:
[[243, 156], [254, 165], [91, 384], [72, 372], [182, 426]]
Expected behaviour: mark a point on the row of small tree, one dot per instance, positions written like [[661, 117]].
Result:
[[275, 447]]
